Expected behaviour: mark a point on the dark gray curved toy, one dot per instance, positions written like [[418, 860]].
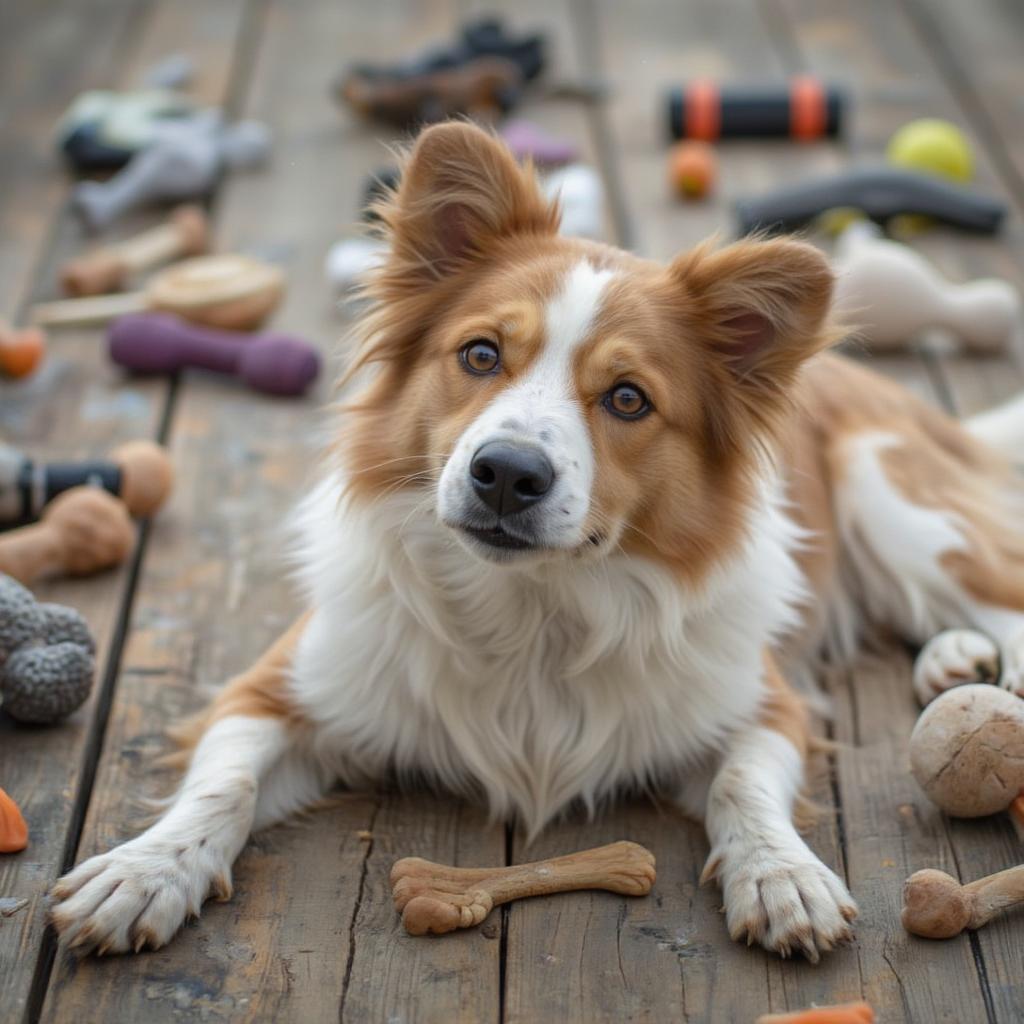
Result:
[[47, 662]]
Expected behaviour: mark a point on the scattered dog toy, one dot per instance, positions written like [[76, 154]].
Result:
[[692, 169], [81, 531], [937, 906], [13, 830], [892, 293], [530, 142], [967, 752], [21, 350], [184, 161], [47, 657], [580, 194], [350, 260], [805, 108], [139, 473], [159, 343], [843, 1013], [482, 73], [934, 146], [484, 88], [102, 130], [882, 193], [185, 233], [230, 291], [436, 898]]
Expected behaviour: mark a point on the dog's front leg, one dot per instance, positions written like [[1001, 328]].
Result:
[[776, 891], [140, 893]]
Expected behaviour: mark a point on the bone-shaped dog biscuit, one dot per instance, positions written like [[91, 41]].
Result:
[[438, 898]]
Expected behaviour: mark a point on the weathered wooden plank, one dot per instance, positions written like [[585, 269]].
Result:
[[896, 78], [312, 909], [77, 405]]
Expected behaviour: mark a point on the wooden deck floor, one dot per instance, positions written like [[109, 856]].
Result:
[[311, 934]]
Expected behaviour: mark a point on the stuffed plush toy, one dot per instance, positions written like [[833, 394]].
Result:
[[46, 657]]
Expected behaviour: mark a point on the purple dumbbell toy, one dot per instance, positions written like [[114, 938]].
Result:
[[162, 342]]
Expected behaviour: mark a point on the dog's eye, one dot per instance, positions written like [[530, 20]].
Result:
[[480, 356], [627, 402]]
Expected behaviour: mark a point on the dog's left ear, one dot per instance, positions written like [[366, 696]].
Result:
[[760, 309], [461, 190]]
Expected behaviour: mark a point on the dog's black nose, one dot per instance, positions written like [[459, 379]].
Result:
[[509, 478]]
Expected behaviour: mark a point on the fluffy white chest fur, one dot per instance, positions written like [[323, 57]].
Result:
[[534, 686]]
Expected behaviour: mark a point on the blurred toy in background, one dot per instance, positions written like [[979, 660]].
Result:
[[580, 194], [183, 160], [47, 657], [139, 473], [275, 364], [229, 290], [185, 233], [880, 193], [13, 830], [893, 294], [933, 146], [692, 169], [103, 130], [21, 350], [482, 73], [350, 260], [529, 141], [804, 108], [82, 531]]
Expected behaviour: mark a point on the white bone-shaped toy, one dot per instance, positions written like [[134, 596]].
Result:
[[892, 293]]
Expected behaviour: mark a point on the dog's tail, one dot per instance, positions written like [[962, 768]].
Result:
[[1002, 428]]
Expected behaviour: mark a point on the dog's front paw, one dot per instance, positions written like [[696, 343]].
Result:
[[784, 899], [953, 658], [135, 896]]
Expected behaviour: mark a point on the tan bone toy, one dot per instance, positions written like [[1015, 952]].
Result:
[[81, 532], [937, 906], [437, 898], [184, 233]]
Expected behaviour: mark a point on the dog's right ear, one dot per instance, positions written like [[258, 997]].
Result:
[[461, 190]]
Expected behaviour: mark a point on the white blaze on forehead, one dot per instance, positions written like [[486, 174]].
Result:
[[570, 316]]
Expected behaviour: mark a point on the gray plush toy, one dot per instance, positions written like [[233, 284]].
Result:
[[46, 657]]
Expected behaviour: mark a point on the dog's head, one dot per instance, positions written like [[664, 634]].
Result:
[[556, 396]]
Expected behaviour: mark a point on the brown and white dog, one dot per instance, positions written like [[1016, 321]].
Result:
[[586, 517]]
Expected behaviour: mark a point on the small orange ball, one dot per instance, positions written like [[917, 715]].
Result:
[[21, 351], [692, 168]]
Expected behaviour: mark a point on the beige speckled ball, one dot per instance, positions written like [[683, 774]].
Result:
[[967, 750]]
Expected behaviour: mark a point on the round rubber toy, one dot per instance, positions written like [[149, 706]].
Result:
[[693, 168], [934, 146]]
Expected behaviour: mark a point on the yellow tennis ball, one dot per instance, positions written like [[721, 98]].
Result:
[[933, 146]]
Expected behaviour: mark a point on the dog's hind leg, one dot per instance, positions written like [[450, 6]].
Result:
[[932, 529], [246, 770]]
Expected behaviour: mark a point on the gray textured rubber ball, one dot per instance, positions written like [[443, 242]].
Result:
[[63, 624], [21, 619], [43, 684]]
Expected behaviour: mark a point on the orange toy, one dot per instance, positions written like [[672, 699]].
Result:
[[13, 830], [692, 168], [21, 351], [844, 1013]]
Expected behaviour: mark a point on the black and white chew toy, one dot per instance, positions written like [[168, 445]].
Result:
[[47, 659]]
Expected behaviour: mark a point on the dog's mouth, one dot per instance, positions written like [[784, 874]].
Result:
[[499, 538]]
